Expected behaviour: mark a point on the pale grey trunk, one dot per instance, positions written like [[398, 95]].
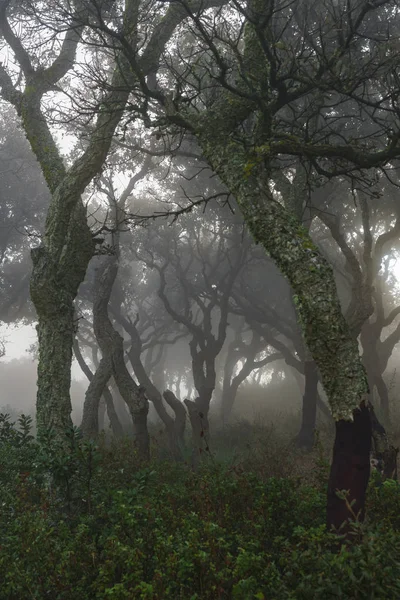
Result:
[[96, 389], [145, 382], [180, 418], [92, 421], [155, 397], [111, 346]]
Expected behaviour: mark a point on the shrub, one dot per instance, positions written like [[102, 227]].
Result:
[[84, 520]]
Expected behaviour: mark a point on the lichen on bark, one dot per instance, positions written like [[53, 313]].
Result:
[[324, 327], [59, 265]]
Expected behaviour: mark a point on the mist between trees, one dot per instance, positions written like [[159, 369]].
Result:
[[200, 206]]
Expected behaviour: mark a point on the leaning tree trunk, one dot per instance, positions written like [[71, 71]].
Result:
[[111, 346], [97, 388], [374, 367], [306, 436], [155, 397], [325, 330], [144, 380], [102, 414], [383, 392], [180, 419]]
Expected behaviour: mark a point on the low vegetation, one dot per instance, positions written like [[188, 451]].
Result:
[[89, 522]]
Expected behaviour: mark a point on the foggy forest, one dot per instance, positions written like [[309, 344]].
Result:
[[199, 299]]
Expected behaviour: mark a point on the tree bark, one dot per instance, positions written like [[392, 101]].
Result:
[[144, 380], [60, 264], [55, 334], [155, 397], [97, 386], [90, 422], [180, 419], [350, 470], [306, 436], [102, 414], [111, 346], [370, 340], [383, 396], [198, 416], [325, 330]]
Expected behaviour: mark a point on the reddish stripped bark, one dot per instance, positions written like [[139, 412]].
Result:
[[350, 469]]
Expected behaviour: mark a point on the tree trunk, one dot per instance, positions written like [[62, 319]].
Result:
[[227, 402], [321, 406], [133, 395], [53, 287], [306, 435], [198, 416], [370, 338], [180, 420], [144, 380], [325, 330], [97, 387], [383, 396], [155, 397], [55, 334], [102, 414], [112, 349], [116, 426], [350, 470]]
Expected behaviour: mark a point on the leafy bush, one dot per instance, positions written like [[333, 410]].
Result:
[[84, 520], [384, 502]]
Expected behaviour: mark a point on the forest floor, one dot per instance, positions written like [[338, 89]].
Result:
[[94, 523]]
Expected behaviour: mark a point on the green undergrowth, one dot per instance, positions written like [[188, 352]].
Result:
[[87, 521]]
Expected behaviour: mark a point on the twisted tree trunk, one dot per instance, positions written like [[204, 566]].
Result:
[[111, 346], [180, 420], [172, 425], [326, 332], [97, 389]]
